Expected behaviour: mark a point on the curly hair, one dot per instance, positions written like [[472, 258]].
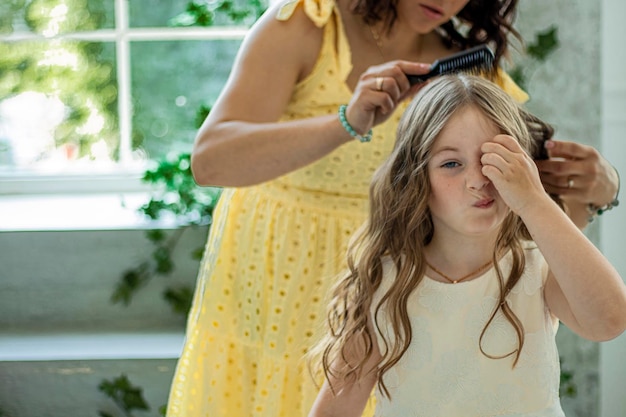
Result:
[[400, 225], [479, 22]]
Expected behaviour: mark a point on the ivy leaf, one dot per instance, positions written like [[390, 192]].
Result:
[[153, 208], [163, 258], [155, 235], [133, 399], [179, 299], [125, 395], [196, 14], [202, 114], [197, 253], [131, 281], [567, 387], [545, 43]]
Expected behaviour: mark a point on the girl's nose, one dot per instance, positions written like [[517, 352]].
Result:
[[475, 178]]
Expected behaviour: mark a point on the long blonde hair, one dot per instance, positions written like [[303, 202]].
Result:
[[399, 226]]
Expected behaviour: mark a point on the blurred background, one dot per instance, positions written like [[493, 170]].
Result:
[[101, 226]]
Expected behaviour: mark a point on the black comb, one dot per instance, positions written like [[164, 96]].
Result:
[[477, 58]]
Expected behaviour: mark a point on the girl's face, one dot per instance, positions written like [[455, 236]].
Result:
[[427, 15], [462, 200]]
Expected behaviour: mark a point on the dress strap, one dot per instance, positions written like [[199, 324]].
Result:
[[324, 13], [319, 11]]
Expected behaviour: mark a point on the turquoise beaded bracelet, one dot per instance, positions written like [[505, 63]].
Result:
[[344, 122], [598, 210]]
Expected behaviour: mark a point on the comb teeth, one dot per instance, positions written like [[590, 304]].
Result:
[[477, 58]]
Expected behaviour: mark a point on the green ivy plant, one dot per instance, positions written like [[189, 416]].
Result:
[[175, 192], [125, 395], [536, 52], [568, 387], [208, 13]]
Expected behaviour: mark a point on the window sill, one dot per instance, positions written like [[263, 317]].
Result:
[[56, 347], [105, 211]]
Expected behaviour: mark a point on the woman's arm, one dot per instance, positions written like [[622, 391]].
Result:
[[241, 143]]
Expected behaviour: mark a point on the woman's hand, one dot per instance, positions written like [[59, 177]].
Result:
[[379, 91], [578, 173], [580, 176]]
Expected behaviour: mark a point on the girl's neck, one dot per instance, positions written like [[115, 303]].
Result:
[[459, 256]]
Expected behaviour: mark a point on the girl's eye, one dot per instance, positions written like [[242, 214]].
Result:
[[450, 164]]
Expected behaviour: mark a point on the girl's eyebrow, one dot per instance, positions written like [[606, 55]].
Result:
[[445, 149]]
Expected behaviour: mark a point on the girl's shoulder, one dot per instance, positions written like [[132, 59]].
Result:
[[389, 272], [536, 268]]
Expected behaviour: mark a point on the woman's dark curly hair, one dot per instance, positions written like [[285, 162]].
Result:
[[479, 22]]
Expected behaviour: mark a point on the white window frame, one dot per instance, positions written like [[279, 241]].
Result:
[[126, 177]]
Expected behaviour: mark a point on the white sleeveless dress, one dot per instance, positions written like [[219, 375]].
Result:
[[444, 373]]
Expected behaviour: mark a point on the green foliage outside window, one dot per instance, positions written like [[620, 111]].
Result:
[[44, 66], [204, 13], [80, 75], [536, 52]]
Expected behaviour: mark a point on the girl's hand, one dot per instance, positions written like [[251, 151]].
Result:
[[379, 91], [512, 172]]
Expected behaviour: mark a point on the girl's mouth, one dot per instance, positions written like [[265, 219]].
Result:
[[486, 203]]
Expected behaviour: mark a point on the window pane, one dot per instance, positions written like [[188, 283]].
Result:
[[151, 13], [170, 82], [52, 17], [58, 104]]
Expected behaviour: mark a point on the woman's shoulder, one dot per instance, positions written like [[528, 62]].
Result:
[[507, 83], [286, 36], [317, 11]]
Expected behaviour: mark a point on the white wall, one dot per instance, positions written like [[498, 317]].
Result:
[[565, 91], [613, 225]]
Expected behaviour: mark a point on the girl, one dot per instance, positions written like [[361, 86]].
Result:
[[459, 277]]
